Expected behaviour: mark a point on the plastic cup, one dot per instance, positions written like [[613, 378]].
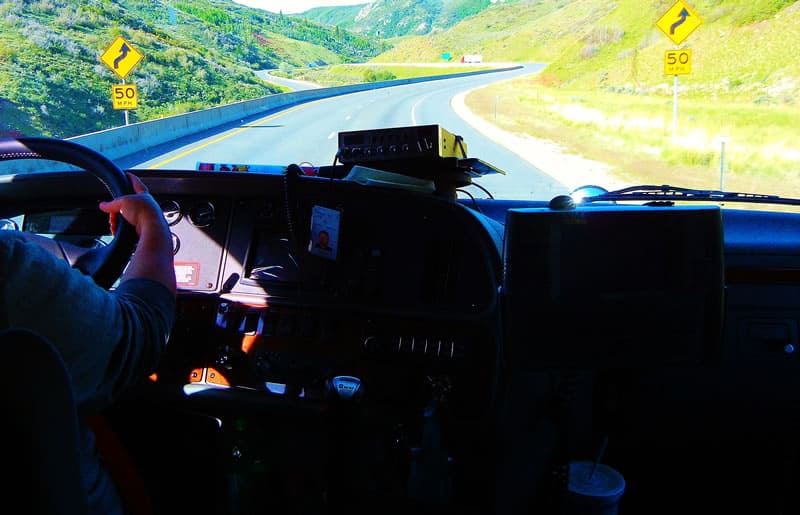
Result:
[[593, 489]]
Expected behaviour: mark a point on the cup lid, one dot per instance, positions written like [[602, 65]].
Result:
[[605, 482]]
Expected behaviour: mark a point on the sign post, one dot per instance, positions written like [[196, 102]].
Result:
[[677, 23], [121, 57]]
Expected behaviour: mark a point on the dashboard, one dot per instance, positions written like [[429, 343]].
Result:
[[406, 277], [393, 312], [350, 314]]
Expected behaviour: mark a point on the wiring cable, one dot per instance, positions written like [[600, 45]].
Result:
[[474, 202], [290, 175], [460, 143], [488, 193]]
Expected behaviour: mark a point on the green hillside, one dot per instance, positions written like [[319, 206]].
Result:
[[742, 47], [507, 32], [342, 16], [398, 18], [604, 94], [197, 54]]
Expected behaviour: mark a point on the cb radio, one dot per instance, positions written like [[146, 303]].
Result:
[[429, 142]]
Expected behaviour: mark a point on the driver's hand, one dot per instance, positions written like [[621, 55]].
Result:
[[139, 209], [152, 258]]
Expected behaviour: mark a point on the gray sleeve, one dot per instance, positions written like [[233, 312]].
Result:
[[147, 312], [109, 339]]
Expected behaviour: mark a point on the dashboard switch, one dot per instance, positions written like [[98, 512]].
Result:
[[251, 323], [222, 315]]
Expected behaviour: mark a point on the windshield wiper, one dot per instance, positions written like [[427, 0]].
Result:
[[666, 192]]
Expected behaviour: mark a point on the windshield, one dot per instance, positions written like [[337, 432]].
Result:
[[550, 95]]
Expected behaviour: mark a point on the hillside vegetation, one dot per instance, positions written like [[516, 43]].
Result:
[[742, 47], [197, 54], [397, 18], [604, 94]]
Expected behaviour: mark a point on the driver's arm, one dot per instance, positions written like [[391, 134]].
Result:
[[109, 339]]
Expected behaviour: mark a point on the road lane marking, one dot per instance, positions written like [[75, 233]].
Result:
[[234, 132]]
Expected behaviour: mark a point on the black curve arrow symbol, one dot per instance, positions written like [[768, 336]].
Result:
[[684, 14], [123, 53]]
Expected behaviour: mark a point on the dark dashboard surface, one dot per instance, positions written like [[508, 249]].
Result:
[[251, 239], [402, 304]]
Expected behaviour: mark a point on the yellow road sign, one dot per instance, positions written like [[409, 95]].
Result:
[[678, 62], [121, 57], [679, 21], [124, 96]]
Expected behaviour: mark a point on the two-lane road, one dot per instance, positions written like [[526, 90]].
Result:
[[308, 133]]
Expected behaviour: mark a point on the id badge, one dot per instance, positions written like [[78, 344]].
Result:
[[324, 232]]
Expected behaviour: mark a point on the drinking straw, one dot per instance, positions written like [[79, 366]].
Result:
[[599, 456]]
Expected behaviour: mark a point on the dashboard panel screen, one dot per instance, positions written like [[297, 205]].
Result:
[[84, 222]]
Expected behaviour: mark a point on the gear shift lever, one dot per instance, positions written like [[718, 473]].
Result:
[[346, 387]]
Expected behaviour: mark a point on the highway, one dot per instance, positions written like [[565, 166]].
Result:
[[307, 133], [294, 85]]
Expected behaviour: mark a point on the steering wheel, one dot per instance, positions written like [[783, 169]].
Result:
[[104, 264]]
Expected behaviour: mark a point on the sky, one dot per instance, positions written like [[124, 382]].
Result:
[[296, 6]]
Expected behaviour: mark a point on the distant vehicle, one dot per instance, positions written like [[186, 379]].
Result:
[[471, 58]]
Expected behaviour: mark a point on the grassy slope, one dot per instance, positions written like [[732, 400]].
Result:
[[604, 94], [341, 16], [200, 54], [397, 18], [501, 33], [354, 74]]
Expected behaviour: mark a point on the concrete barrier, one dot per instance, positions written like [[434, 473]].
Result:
[[130, 139]]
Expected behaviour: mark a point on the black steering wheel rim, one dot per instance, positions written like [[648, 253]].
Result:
[[105, 264]]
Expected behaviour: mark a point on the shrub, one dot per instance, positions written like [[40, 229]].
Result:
[[371, 75]]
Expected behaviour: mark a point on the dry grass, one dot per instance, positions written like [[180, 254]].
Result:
[[639, 144]]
